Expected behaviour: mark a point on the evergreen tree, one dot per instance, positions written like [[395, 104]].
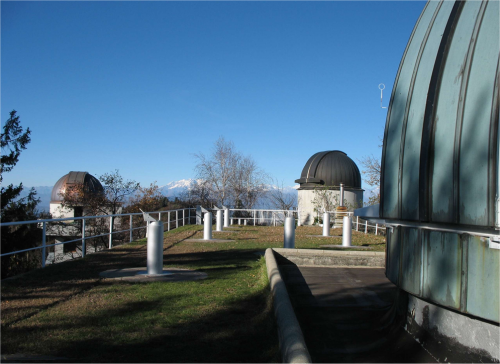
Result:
[[13, 140]]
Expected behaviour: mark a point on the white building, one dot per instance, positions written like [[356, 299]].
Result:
[[320, 185], [71, 229]]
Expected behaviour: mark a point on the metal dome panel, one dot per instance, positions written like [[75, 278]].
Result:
[[330, 168], [439, 160], [73, 178]]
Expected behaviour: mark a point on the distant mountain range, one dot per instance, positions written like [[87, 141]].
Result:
[[170, 190]]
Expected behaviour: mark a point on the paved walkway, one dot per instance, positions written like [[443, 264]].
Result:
[[347, 315]]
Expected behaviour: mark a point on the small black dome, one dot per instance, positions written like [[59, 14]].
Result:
[[330, 168], [73, 178]]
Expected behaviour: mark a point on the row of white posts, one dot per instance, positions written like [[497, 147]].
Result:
[[289, 240], [155, 235]]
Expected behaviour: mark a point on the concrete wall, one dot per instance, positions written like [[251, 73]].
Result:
[[451, 336], [306, 202]]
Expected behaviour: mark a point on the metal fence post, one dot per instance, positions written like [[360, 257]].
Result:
[[357, 223], [183, 217], [84, 247], [168, 228], [366, 227], [376, 229], [289, 241], [176, 219], [326, 224], [110, 232], [44, 243], [131, 237], [207, 226], [189, 216], [254, 218]]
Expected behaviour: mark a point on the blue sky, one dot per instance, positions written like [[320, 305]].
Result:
[[142, 86]]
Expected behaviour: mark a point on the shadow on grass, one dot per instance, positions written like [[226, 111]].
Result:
[[141, 330]]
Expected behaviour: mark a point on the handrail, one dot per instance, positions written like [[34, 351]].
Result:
[[84, 237], [87, 217]]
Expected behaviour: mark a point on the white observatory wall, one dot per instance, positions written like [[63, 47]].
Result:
[[306, 202], [59, 212]]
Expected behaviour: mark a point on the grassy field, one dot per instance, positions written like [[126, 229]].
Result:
[[65, 310]]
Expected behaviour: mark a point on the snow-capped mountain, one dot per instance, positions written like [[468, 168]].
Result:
[[176, 188]]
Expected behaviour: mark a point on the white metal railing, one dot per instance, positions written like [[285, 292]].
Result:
[[264, 216], [174, 220], [67, 224], [377, 226]]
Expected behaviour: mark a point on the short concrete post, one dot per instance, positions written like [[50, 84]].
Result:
[[341, 194], [168, 221], [155, 248], [218, 221], [245, 222], [131, 237], [226, 217], [346, 233], [376, 229], [232, 221], [239, 221], [326, 224], [366, 227], [207, 227], [84, 247], [111, 220], [298, 217], [357, 223], [289, 241]]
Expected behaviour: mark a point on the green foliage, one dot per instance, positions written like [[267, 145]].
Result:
[[13, 140]]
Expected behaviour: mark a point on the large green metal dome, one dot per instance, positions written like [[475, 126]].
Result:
[[440, 163]]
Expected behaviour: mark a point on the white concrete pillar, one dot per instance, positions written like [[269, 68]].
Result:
[[218, 221], [347, 229], [226, 217], [326, 224], [155, 248], [207, 226], [289, 240], [341, 194], [245, 222]]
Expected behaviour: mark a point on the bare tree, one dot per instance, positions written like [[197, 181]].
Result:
[[371, 171], [248, 183], [199, 193], [228, 178], [279, 198], [218, 169], [117, 190]]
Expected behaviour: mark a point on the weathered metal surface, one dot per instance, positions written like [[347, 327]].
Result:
[[474, 144], [440, 169], [411, 266], [415, 115], [393, 255], [445, 117], [442, 265], [483, 279], [397, 108]]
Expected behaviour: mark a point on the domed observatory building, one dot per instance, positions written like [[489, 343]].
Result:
[[440, 183], [69, 230], [320, 180], [64, 183]]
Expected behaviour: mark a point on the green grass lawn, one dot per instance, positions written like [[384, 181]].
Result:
[[66, 310]]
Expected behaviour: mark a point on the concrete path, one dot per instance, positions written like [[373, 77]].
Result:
[[347, 315]]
